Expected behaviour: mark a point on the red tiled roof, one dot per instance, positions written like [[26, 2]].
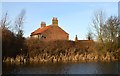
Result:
[[40, 30]]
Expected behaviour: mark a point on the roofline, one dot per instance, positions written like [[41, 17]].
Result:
[[45, 30], [63, 30]]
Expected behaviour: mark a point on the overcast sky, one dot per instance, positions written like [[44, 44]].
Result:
[[74, 17]]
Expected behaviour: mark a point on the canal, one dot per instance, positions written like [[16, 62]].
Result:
[[63, 68]]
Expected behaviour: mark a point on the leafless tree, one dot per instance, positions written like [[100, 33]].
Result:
[[19, 23], [11, 41], [106, 31], [111, 32], [89, 35], [4, 22], [98, 23]]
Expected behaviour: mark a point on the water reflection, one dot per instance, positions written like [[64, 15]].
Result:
[[63, 68], [108, 68]]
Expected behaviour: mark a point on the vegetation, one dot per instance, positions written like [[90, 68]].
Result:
[[89, 35], [106, 47], [107, 33], [36, 47], [12, 41]]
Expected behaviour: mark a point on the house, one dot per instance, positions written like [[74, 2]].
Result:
[[85, 44], [50, 32]]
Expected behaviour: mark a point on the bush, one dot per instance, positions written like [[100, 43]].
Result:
[[37, 47], [8, 43]]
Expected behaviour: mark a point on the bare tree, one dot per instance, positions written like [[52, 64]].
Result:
[[106, 31], [89, 35], [4, 22], [8, 37], [12, 41], [19, 23], [111, 33], [98, 23]]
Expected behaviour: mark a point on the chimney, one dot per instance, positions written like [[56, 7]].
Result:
[[43, 24], [76, 39], [55, 21]]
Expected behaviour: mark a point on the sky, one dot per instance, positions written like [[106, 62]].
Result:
[[74, 17], [59, 0]]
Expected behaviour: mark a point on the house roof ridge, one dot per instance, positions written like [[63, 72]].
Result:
[[40, 30]]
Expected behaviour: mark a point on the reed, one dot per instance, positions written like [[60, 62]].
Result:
[[83, 57]]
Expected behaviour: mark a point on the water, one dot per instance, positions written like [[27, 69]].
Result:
[[63, 68]]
